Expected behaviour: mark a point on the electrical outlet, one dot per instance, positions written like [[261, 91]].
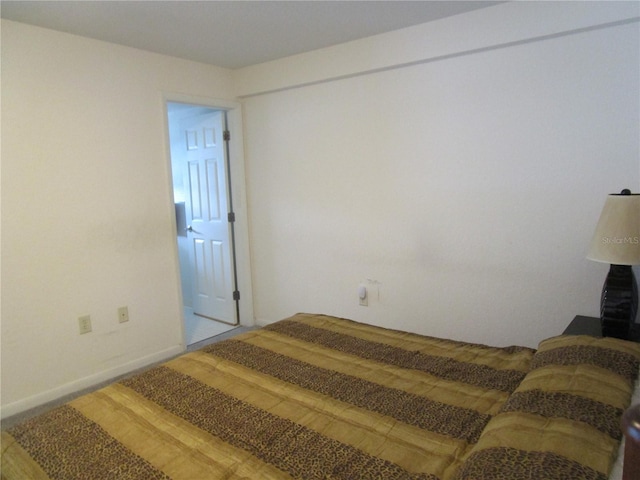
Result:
[[123, 314], [363, 296], [84, 324]]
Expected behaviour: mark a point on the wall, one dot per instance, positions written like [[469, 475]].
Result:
[[87, 209], [460, 164], [457, 168]]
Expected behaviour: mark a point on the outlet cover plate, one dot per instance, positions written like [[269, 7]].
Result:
[[84, 324], [123, 314]]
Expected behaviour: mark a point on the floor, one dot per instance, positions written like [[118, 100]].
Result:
[[197, 329]]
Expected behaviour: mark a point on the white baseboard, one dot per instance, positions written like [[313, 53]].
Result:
[[86, 382]]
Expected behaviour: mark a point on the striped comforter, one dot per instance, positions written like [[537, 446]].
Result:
[[318, 397]]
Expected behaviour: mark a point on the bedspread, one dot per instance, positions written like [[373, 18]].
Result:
[[309, 397]]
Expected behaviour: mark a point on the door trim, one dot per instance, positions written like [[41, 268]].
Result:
[[238, 197]]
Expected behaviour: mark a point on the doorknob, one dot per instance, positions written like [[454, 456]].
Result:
[[189, 229]]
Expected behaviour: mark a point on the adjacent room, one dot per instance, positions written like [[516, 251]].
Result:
[[385, 173]]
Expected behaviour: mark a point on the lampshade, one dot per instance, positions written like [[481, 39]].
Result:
[[617, 236]]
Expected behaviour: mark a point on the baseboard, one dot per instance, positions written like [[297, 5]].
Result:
[[87, 382]]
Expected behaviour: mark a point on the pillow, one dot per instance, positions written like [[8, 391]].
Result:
[[563, 420]]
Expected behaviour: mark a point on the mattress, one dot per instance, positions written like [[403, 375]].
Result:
[[315, 396]]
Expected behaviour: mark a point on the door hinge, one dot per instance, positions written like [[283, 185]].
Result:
[[231, 217], [226, 136], [236, 295]]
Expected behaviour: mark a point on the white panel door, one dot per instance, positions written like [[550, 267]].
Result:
[[206, 211]]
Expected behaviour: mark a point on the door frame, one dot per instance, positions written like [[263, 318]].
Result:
[[238, 198]]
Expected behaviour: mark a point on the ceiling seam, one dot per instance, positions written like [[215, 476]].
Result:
[[447, 56]]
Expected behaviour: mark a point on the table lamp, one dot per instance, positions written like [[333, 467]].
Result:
[[617, 241]]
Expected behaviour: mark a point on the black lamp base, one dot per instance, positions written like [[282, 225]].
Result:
[[619, 302]]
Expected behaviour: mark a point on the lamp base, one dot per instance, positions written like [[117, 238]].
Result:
[[619, 302]]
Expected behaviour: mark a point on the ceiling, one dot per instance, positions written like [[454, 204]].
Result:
[[231, 34]]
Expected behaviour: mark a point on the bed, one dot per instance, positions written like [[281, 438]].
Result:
[[319, 397]]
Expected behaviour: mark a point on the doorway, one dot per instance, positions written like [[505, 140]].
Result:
[[204, 219]]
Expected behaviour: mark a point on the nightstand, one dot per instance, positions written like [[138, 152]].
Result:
[[581, 325]]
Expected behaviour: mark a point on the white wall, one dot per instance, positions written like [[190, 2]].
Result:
[[468, 186], [87, 209], [466, 183]]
